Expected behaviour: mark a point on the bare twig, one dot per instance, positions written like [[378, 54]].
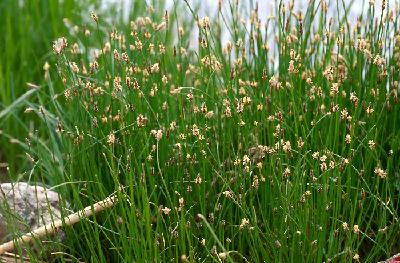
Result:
[[53, 227], [12, 258]]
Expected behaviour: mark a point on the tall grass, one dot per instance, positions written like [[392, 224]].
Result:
[[278, 146], [27, 29]]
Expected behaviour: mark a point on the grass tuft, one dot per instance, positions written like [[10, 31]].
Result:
[[278, 145]]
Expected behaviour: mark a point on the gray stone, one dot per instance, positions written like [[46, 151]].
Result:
[[25, 207]]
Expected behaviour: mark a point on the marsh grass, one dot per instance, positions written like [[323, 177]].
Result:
[[280, 145], [27, 29]]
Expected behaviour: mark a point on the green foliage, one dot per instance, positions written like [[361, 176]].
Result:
[[279, 146], [27, 28]]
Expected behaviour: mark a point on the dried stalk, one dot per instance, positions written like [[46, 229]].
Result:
[[53, 227], [12, 258]]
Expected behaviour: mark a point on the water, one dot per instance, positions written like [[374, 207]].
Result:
[[266, 9]]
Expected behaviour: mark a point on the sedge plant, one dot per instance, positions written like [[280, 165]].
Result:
[[279, 145]]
